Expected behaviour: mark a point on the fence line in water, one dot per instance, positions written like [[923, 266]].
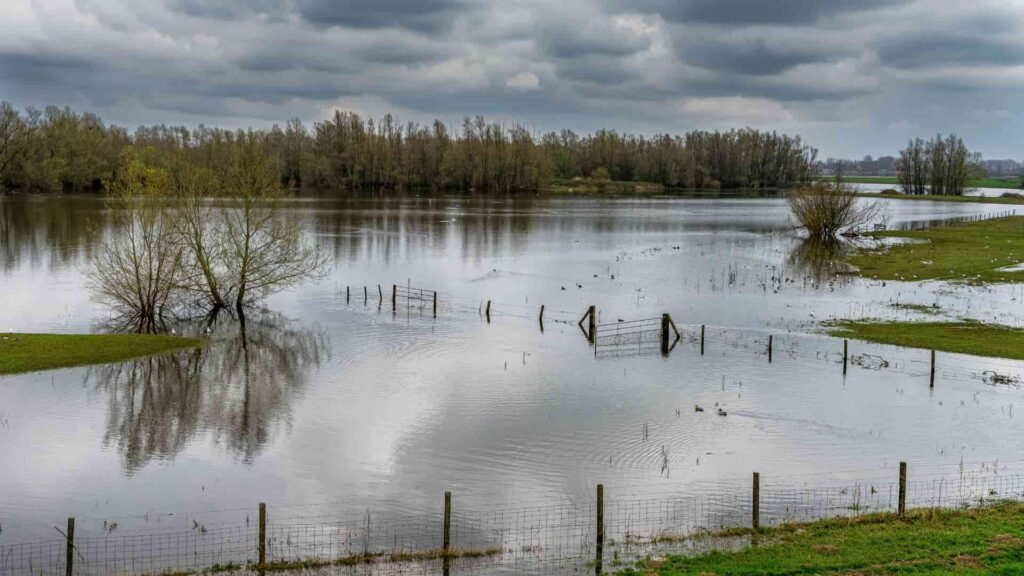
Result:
[[615, 526], [629, 337]]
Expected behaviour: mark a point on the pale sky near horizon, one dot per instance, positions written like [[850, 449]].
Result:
[[853, 77]]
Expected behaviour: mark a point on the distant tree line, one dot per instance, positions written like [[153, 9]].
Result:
[[940, 166], [58, 149]]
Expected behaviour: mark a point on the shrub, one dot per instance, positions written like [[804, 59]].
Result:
[[827, 209]]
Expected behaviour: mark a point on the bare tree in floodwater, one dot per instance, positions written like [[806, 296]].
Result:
[[138, 268], [828, 209], [940, 166]]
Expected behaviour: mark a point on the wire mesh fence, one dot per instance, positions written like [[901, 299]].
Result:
[[621, 525]]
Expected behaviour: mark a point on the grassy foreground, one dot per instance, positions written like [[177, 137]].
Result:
[[970, 252], [31, 352], [988, 540], [1008, 182], [959, 337]]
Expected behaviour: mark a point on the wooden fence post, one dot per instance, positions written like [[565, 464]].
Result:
[[348, 294], [394, 297], [598, 561], [592, 312], [902, 506], [488, 312], [262, 544], [664, 333], [70, 548], [447, 522], [435, 303], [541, 313], [845, 354], [701, 339], [769, 348], [366, 296], [380, 292], [931, 378], [755, 503]]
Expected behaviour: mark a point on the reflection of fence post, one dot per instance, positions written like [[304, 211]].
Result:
[[845, 353], [755, 503], [447, 522], [931, 378], [435, 303], [70, 547], [262, 544], [769, 348], [902, 506], [701, 339], [664, 333], [600, 529]]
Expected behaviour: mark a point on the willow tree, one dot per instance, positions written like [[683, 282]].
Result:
[[138, 268]]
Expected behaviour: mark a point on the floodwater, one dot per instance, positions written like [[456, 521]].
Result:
[[333, 399]]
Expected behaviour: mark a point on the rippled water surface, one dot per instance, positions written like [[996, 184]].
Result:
[[332, 396]]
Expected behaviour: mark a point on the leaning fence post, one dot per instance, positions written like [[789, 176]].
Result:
[[600, 529], [755, 503], [701, 339], [845, 353], [769, 348], [902, 506], [447, 522], [664, 333], [931, 378], [70, 547], [262, 543]]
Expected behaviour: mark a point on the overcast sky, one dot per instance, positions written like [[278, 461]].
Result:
[[853, 77]]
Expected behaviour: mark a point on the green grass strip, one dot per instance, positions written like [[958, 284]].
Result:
[[987, 540], [966, 337], [971, 253], [32, 352]]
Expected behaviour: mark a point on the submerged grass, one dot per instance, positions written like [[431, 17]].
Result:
[[32, 352], [966, 337], [972, 252], [987, 540]]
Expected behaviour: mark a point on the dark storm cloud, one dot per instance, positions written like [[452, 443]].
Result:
[[751, 11], [755, 57], [946, 50], [418, 15]]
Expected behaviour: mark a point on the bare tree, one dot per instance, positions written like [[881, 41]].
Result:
[[912, 168], [137, 270], [264, 252], [827, 209]]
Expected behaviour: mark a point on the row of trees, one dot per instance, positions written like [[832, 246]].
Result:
[[59, 149], [940, 166]]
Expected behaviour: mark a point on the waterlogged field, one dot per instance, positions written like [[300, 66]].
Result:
[[332, 400]]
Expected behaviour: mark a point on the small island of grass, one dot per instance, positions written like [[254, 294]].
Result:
[[32, 352], [983, 252], [965, 337]]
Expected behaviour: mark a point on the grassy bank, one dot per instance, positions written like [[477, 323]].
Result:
[[591, 186], [933, 198], [988, 540], [1007, 182], [31, 352], [960, 337], [971, 252]]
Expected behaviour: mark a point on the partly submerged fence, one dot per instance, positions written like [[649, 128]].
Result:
[[601, 533]]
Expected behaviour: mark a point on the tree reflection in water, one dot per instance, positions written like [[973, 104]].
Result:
[[238, 389], [821, 259]]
